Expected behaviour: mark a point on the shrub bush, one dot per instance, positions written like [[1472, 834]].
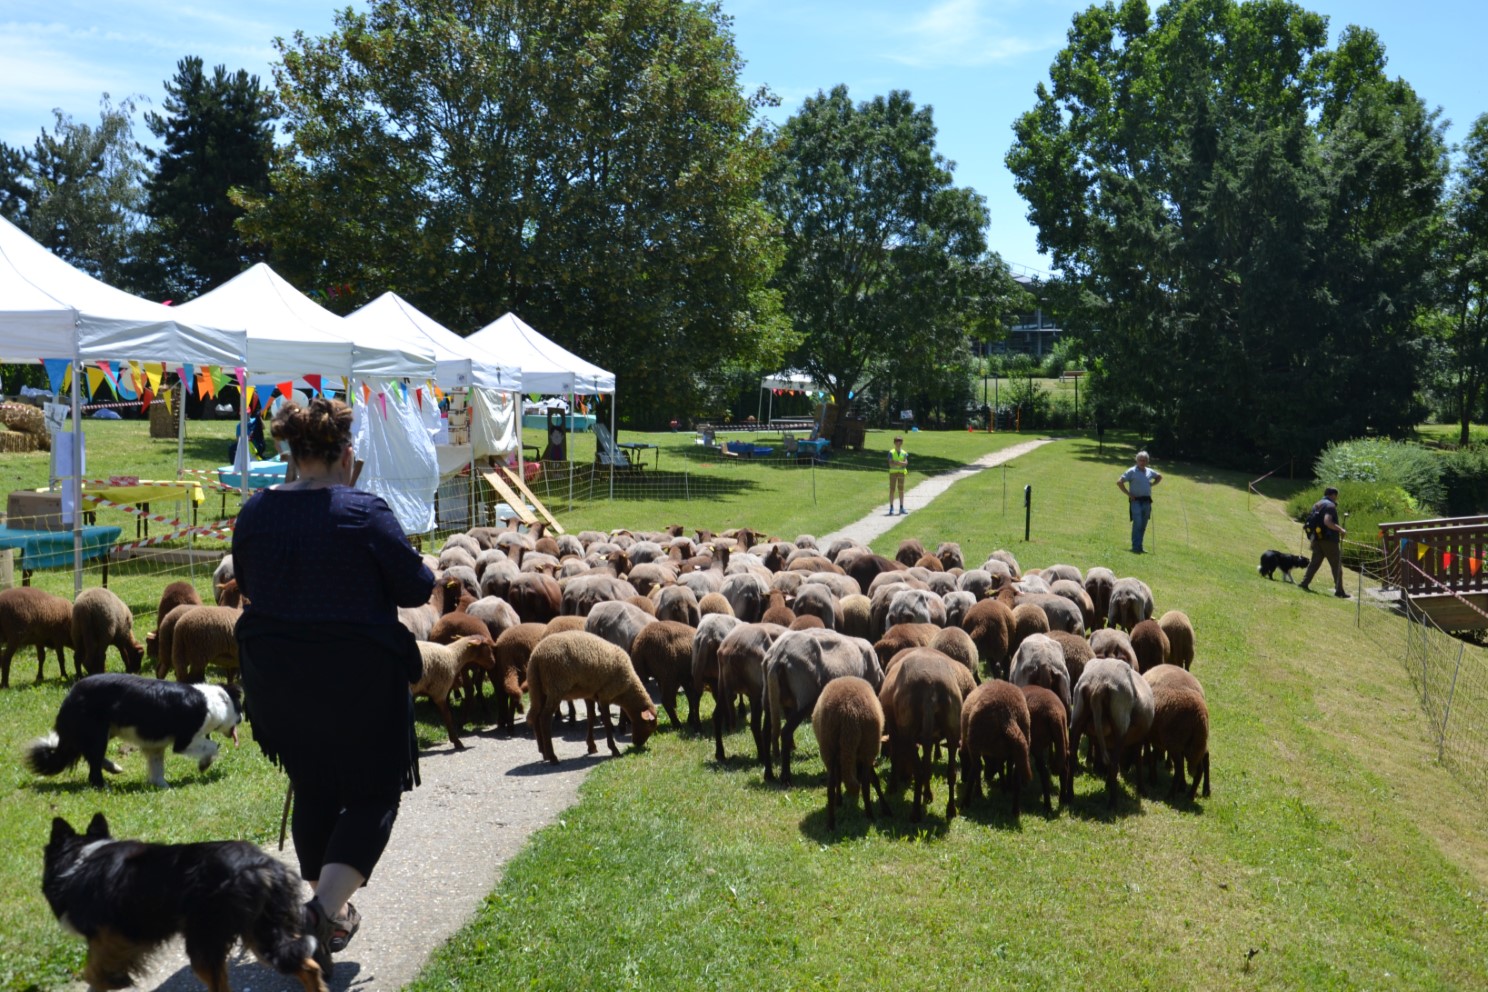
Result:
[[1465, 481], [1396, 463]]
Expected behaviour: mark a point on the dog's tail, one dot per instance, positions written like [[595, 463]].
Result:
[[49, 755]]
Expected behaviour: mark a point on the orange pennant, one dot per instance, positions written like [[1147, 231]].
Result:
[[1473, 564]]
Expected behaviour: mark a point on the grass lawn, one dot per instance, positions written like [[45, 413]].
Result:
[[1335, 852]]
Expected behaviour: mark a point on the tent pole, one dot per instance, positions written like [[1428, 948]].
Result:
[[761, 411], [612, 437], [181, 429], [567, 451], [76, 482], [772, 410], [516, 400]]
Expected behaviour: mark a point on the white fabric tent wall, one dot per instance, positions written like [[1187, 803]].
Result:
[[789, 379], [493, 427], [397, 454]]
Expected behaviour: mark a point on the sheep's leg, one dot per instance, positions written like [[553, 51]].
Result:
[[5, 656], [694, 705], [604, 715], [951, 748], [589, 725], [870, 774], [718, 714], [834, 793], [1042, 762], [757, 724], [443, 706], [921, 783], [973, 776], [669, 702], [787, 744], [772, 741]]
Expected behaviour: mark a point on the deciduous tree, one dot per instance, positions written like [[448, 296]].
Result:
[[1245, 215]]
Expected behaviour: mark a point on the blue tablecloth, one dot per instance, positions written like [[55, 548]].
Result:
[[576, 421], [53, 548], [261, 475]]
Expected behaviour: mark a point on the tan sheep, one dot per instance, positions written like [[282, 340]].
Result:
[[100, 620], [1176, 625], [857, 616], [1114, 704], [715, 602], [849, 722], [1028, 618], [443, 665], [957, 643], [995, 734], [921, 700], [990, 624], [1150, 644], [204, 635], [579, 665], [513, 647], [1180, 731], [32, 617], [175, 594]]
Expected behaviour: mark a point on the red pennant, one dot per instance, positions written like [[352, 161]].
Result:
[[314, 381], [1446, 559], [286, 389]]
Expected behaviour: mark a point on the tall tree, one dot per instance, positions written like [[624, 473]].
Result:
[[1245, 216], [83, 190], [217, 136], [1464, 272], [885, 266], [589, 164]]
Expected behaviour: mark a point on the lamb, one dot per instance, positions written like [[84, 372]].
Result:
[[849, 722], [497, 576], [230, 595], [174, 595], [1006, 557], [100, 620], [204, 635], [678, 603], [1172, 676], [536, 597], [663, 651], [645, 604], [1049, 731], [921, 700], [745, 593], [957, 604], [740, 668], [857, 616], [652, 575], [799, 664], [1109, 642], [456, 555], [977, 581], [950, 555], [465, 575], [418, 619], [1131, 603], [443, 664], [1060, 613], [495, 613], [990, 625], [30, 616], [1150, 644], [910, 551], [1176, 625], [512, 649], [1075, 593], [996, 732], [1180, 730], [841, 585], [1066, 573], [469, 544], [1040, 661], [580, 665], [1114, 703], [163, 636], [775, 609]]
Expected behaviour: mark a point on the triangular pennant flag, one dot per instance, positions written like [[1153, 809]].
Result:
[[187, 373], [438, 393], [218, 377], [1473, 564], [146, 398], [56, 370], [95, 379], [418, 397], [205, 388], [251, 395], [1446, 559], [241, 374], [367, 395], [154, 373], [166, 396], [286, 389], [1420, 551], [382, 402], [314, 382]]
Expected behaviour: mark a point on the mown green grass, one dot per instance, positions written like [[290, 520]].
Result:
[[1333, 854]]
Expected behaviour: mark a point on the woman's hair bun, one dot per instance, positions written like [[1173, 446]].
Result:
[[321, 430]]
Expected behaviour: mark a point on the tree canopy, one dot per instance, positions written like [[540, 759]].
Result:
[[1245, 217], [886, 268], [217, 135], [592, 165]]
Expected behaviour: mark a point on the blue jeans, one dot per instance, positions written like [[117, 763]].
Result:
[[1140, 513]]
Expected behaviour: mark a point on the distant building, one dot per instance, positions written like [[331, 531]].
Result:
[[1034, 332]]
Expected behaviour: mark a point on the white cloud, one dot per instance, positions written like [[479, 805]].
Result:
[[960, 34]]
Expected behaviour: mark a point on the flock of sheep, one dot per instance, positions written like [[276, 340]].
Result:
[[878, 653]]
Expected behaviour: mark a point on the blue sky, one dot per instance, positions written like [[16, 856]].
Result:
[[975, 61]]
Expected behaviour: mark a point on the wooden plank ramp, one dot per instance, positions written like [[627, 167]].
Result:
[[517, 481], [498, 482]]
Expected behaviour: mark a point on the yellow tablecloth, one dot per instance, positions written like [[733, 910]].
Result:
[[147, 492]]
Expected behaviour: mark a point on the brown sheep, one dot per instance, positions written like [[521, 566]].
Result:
[[204, 635], [663, 651], [957, 643], [995, 733], [1150, 644], [901, 636], [1049, 723], [776, 611], [100, 620], [1108, 642], [797, 667], [536, 597], [1180, 731], [807, 622], [741, 674], [174, 595], [645, 604], [950, 556], [910, 551], [579, 665], [1028, 618], [990, 624], [1131, 603], [442, 668], [921, 700], [1076, 652], [849, 722], [714, 602], [32, 617], [857, 614], [1099, 582], [513, 647], [817, 599], [678, 603], [1176, 625]]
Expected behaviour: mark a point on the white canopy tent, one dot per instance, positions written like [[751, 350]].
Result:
[[48, 309], [290, 335], [789, 379], [547, 367]]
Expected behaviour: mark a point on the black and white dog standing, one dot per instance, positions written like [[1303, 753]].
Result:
[[151, 714]]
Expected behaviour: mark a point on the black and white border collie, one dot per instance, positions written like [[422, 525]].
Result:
[[149, 713], [1273, 560]]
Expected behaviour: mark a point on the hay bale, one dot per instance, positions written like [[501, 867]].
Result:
[[162, 424], [23, 418]]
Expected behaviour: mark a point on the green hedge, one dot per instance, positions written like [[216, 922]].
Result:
[[1465, 480], [1379, 460]]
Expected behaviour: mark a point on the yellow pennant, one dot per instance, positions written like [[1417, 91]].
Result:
[[1420, 551], [95, 379]]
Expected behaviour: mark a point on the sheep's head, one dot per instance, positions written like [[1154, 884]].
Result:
[[642, 726], [134, 653], [479, 650]]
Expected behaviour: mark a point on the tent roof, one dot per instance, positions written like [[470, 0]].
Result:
[[48, 308], [289, 334], [546, 367], [790, 379], [456, 362]]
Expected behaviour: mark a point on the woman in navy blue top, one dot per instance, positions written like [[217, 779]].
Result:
[[325, 663]]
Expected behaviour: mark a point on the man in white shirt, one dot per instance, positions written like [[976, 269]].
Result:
[[1137, 482]]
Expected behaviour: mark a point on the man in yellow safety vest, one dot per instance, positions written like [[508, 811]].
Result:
[[898, 469]]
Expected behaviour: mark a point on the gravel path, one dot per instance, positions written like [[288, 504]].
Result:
[[456, 832], [879, 523]]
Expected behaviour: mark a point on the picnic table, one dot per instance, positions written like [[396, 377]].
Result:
[[53, 548]]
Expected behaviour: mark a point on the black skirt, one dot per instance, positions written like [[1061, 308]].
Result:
[[329, 703]]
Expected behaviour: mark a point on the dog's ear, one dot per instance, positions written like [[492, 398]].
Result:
[[98, 826], [61, 830], [235, 693]]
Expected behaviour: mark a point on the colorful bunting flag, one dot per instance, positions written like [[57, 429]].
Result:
[[57, 370], [1420, 551], [154, 375], [1446, 559], [95, 379], [218, 377], [382, 402], [1473, 564], [205, 388], [314, 382]]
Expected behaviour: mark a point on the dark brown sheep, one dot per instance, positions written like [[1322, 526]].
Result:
[[1150, 644], [995, 735], [1049, 733], [663, 651], [33, 617], [849, 722], [990, 624], [921, 700]]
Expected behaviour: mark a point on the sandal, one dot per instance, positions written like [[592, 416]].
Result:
[[345, 928], [320, 928]]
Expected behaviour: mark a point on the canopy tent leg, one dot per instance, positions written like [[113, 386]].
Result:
[[76, 482], [612, 435]]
